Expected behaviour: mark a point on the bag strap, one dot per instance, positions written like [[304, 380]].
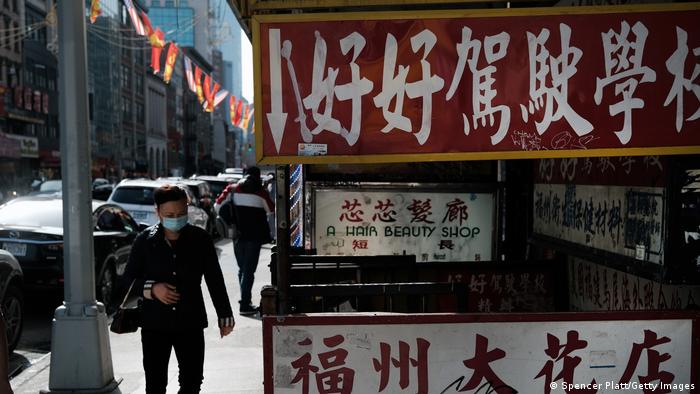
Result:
[[126, 297]]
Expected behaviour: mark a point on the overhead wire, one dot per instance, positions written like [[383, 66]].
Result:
[[13, 39]]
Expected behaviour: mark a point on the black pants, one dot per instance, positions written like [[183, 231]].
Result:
[[189, 350]]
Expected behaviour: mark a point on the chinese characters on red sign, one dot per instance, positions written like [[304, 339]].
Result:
[[508, 83]]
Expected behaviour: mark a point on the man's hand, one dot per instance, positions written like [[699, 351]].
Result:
[[165, 293], [223, 331]]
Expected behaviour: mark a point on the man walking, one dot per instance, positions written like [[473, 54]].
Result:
[[252, 204]]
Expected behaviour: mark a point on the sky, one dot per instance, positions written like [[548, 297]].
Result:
[[245, 56]]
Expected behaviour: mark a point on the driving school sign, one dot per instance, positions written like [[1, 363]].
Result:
[[435, 226], [502, 354], [468, 84]]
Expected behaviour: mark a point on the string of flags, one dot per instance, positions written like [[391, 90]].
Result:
[[209, 92]]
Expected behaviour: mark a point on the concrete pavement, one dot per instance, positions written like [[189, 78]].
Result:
[[232, 365]]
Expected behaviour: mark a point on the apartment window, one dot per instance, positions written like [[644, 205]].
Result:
[[52, 80], [126, 109], [126, 77], [139, 84], [7, 25], [17, 42], [138, 57], [140, 115]]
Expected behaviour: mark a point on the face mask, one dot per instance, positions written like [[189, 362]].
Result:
[[175, 224]]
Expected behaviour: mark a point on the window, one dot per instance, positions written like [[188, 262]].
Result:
[[126, 77], [133, 195], [138, 57], [126, 109], [140, 116], [8, 25], [139, 84], [115, 219], [179, 20]]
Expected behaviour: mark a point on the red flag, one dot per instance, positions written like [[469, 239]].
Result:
[[95, 10], [248, 115], [244, 124], [232, 110], [156, 40], [198, 83], [209, 93], [156, 51], [239, 113], [170, 62]]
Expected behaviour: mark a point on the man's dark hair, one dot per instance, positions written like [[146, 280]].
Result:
[[167, 193]]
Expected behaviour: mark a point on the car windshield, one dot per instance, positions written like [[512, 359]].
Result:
[[50, 186], [32, 213], [217, 187], [136, 195]]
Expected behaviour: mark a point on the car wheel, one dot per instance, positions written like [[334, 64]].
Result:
[[106, 288], [13, 310]]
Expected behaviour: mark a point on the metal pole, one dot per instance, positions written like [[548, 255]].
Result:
[[282, 211], [80, 354]]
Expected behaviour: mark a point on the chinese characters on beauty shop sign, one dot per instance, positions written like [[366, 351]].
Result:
[[459, 84], [503, 355], [449, 226]]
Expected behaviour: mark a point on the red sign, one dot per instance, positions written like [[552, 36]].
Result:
[[458, 85]]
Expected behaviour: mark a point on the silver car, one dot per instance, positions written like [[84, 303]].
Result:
[[136, 197]]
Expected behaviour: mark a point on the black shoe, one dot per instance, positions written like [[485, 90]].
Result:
[[247, 310]]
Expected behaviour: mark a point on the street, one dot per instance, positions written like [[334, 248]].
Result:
[[232, 365]]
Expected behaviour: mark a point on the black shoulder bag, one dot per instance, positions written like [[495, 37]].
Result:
[[128, 316]]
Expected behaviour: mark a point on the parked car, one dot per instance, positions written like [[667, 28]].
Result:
[[11, 297], [31, 228], [99, 182], [49, 187], [200, 190], [136, 196], [102, 192]]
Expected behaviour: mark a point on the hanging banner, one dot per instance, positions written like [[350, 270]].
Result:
[[503, 354], [466, 84], [434, 226]]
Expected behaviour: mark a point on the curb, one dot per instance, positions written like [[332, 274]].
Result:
[[33, 371]]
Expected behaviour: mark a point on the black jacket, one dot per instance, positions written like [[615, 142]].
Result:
[[192, 257]]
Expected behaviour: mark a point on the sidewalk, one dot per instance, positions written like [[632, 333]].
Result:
[[232, 365]]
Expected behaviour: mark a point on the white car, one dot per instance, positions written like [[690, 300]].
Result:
[[136, 197]]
